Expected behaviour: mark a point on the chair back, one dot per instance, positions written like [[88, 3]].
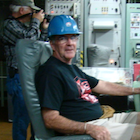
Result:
[[30, 55]]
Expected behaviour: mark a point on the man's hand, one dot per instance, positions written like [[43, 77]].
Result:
[[45, 24], [98, 132], [40, 15]]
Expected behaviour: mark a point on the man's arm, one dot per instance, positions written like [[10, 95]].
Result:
[[15, 30], [109, 88], [55, 121], [44, 24]]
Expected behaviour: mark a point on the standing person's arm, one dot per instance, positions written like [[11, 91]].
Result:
[[44, 25], [53, 120], [14, 29], [44, 30]]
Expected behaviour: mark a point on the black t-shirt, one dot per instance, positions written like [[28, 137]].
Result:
[[67, 89]]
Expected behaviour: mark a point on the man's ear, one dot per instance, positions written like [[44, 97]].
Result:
[[21, 10], [52, 45]]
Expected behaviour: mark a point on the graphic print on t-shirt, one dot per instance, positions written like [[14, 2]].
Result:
[[85, 90]]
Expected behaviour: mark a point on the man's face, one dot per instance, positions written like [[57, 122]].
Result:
[[64, 47]]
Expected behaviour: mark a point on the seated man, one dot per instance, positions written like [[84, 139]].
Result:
[[65, 96]]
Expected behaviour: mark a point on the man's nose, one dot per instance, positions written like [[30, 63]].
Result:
[[69, 40]]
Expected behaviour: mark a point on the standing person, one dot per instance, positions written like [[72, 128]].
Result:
[[65, 92], [24, 22]]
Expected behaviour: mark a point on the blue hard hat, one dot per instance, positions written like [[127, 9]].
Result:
[[62, 24]]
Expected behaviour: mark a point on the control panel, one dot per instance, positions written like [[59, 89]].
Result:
[[132, 32], [105, 7], [135, 33], [137, 50], [67, 7], [135, 26]]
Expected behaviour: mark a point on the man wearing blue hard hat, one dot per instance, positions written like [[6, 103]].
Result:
[[66, 94]]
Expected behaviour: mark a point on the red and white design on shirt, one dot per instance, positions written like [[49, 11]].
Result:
[[85, 90]]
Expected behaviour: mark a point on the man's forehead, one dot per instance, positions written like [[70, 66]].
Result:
[[66, 35]]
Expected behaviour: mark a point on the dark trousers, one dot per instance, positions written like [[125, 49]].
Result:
[[21, 119]]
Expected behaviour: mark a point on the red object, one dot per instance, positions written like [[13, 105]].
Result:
[[136, 72]]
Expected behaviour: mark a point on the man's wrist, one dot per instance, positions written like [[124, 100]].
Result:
[[85, 128], [133, 90]]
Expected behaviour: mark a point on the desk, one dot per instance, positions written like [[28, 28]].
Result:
[[117, 75]]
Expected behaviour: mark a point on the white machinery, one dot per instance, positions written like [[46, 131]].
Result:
[[103, 23], [104, 28], [66, 7]]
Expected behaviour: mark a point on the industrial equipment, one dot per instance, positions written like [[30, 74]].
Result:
[[132, 34], [104, 28]]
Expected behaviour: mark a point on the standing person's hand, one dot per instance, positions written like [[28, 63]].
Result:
[[40, 15], [45, 24]]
